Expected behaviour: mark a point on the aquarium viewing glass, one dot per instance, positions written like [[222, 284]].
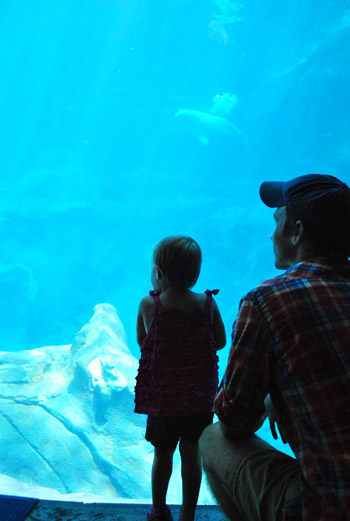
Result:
[[124, 121]]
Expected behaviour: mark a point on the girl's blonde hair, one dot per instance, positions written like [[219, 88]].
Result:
[[179, 259]]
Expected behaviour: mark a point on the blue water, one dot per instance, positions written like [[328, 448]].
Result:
[[96, 167]]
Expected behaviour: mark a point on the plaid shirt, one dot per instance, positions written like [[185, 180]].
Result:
[[291, 339]]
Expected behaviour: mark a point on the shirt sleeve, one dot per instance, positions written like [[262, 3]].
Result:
[[239, 403]]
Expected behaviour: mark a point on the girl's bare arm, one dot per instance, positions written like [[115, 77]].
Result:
[[145, 317], [219, 328]]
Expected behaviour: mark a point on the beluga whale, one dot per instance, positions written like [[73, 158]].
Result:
[[214, 124]]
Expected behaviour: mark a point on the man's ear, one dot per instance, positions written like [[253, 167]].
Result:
[[298, 233]]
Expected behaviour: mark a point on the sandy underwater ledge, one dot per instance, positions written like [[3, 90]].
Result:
[[67, 424]]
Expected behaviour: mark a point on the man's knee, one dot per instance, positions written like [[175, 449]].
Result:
[[220, 452], [208, 440]]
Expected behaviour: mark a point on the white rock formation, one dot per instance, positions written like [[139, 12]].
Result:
[[67, 420]]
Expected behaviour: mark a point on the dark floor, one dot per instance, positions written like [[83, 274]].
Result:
[[66, 511]]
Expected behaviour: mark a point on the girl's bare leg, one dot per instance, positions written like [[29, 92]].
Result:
[[161, 473], [191, 470]]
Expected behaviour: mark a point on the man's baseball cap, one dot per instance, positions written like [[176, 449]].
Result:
[[302, 191]]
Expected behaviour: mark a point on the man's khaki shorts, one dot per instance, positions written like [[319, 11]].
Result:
[[250, 479]]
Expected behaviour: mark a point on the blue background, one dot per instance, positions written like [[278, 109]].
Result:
[[96, 168]]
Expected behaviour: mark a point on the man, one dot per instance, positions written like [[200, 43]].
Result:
[[290, 342]]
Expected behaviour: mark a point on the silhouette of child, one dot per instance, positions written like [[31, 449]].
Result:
[[179, 332]]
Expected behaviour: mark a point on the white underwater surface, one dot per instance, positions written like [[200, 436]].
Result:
[[67, 424]]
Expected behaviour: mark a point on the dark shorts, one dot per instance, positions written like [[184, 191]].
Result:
[[165, 433]]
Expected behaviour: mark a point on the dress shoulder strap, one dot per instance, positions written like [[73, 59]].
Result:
[[210, 293], [155, 295]]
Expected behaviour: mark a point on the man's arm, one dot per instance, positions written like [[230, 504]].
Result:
[[240, 400], [230, 432]]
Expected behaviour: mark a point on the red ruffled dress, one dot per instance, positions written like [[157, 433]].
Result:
[[178, 369]]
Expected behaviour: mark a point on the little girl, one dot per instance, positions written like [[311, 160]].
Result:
[[179, 332]]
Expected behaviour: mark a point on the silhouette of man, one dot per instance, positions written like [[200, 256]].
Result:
[[290, 360]]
